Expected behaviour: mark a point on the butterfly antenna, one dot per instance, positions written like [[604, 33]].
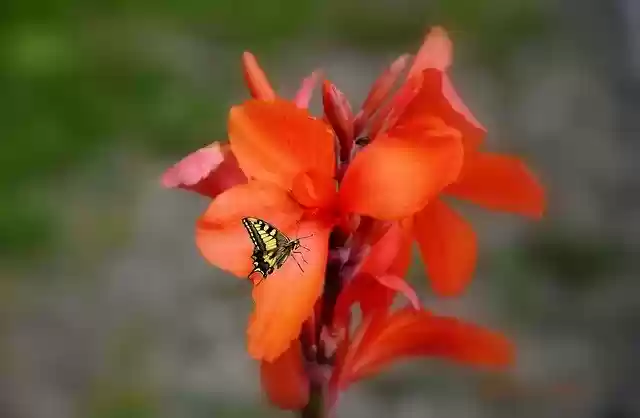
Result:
[[302, 246]]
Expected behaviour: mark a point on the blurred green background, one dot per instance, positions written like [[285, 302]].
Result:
[[106, 309]]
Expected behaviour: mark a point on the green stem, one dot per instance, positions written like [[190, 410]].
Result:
[[316, 406]]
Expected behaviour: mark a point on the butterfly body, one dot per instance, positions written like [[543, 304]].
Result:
[[271, 248]]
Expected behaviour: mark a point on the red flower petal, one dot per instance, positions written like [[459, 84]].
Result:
[[220, 235], [285, 381], [448, 247], [436, 52], [500, 182], [287, 297], [275, 141], [256, 80], [303, 96], [438, 98], [365, 334], [313, 190], [401, 263], [410, 333], [208, 171], [379, 92], [362, 289], [385, 251], [374, 296], [338, 112], [377, 282], [398, 284], [387, 117], [393, 178]]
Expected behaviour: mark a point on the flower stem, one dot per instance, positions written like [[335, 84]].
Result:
[[316, 406]]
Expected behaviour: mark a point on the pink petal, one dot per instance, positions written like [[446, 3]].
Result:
[[303, 96], [436, 52], [208, 171]]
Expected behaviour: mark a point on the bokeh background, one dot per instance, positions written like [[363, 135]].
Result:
[[108, 311]]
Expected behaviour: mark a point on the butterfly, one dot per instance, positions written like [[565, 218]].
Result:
[[271, 248]]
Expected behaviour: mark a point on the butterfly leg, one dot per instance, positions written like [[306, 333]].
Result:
[[301, 255], [296, 260]]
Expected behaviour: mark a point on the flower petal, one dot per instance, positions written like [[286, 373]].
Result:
[[436, 52], [438, 98], [285, 381], [410, 333], [374, 296], [303, 96], [393, 178], [401, 263], [287, 297], [365, 334], [256, 80], [346, 298], [448, 247], [208, 171], [380, 91], [389, 114], [376, 283], [275, 141], [500, 182], [220, 235], [384, 251], [398, 284], [313, 190], [338, 112]]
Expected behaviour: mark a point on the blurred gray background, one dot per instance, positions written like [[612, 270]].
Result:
[[107, 309]]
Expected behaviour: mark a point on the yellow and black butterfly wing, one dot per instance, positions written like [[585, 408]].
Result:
[[271, 248]]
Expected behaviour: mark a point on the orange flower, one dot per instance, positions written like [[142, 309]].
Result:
[[213, 169], [498, 182], [384, 338], [332, 356], [427, 111], [291, 187], [289, 159], [359, 202]]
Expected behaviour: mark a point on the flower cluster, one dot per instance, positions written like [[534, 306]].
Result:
[[362, 186]]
